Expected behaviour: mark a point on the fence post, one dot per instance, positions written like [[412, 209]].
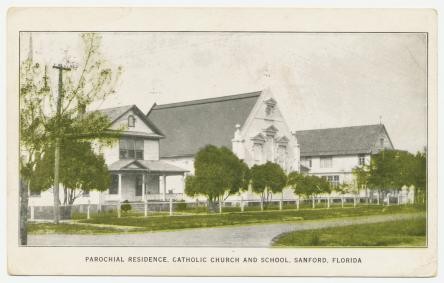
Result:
[[171, 206], [398, 199], [354, 201], [262, 204], [388, 200], [32, 212], [220, 205], [242, 204], [377, 201], [313, 202], [328, 202], [118, 209], [342, 202], [297, 204], [280, 205], [145, 208], [87, 209]]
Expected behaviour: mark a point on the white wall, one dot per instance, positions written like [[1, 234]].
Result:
[[256, 123], [151, 149], [139, 126], [342, 163], [46, 198]]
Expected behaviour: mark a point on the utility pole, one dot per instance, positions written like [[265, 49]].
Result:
[[61, 68]]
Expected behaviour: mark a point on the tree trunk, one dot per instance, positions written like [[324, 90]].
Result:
[[65, 196], [23, 212], [212, 205]]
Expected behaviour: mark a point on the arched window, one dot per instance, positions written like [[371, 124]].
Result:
[[131, 121]]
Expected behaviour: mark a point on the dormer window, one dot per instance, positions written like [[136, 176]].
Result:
[[131, 121]]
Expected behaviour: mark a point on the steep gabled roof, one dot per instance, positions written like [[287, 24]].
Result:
[[190, 125], [115, 113], [339, 141]]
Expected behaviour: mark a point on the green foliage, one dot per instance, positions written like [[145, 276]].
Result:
[[345, 188], [268, 178], [315, 239], [80, 170], [410, 232], [308, 185], [39, 122], [392, 169], [236, 218], [217, 172], [181, 205], [125, 206]]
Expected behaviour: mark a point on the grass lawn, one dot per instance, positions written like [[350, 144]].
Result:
[[213, 220], [165, 222], [66, 228], [411, 233]]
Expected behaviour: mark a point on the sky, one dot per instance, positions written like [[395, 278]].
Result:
[[320, 80]]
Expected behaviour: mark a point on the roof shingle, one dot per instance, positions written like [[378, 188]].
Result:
[[189, 126], [338, 141]]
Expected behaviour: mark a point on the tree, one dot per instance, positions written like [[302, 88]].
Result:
[[40, 122], [267, 179], [34, 91], [218, 174], [297, 182], [419, 176], [81, 171], [392, 169], [308, 185]]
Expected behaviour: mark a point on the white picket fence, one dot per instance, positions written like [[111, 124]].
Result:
[[172, 207]]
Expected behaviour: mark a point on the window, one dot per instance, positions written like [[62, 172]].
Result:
[[270, 106], [361, 160], [138, 185], [131, 148], [131, 121], [257, 152], [326, 162], [307, 162], [114, 188], [269, 110], [282, 154], [334, 180]]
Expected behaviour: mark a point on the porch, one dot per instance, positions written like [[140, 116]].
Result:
[[141, 181]]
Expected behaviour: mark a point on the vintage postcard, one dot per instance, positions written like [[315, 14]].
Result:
[[222, 141]]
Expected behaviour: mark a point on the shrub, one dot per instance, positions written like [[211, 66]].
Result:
[[181, 205], [125, 206]]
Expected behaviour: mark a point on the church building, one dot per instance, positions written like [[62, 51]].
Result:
[[249, 124]]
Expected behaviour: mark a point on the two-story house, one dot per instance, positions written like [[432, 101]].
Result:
[[334, 152], [133, 161]]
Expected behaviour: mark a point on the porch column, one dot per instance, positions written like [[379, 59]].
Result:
[[143, 188], [164, 187], [119, 188]]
